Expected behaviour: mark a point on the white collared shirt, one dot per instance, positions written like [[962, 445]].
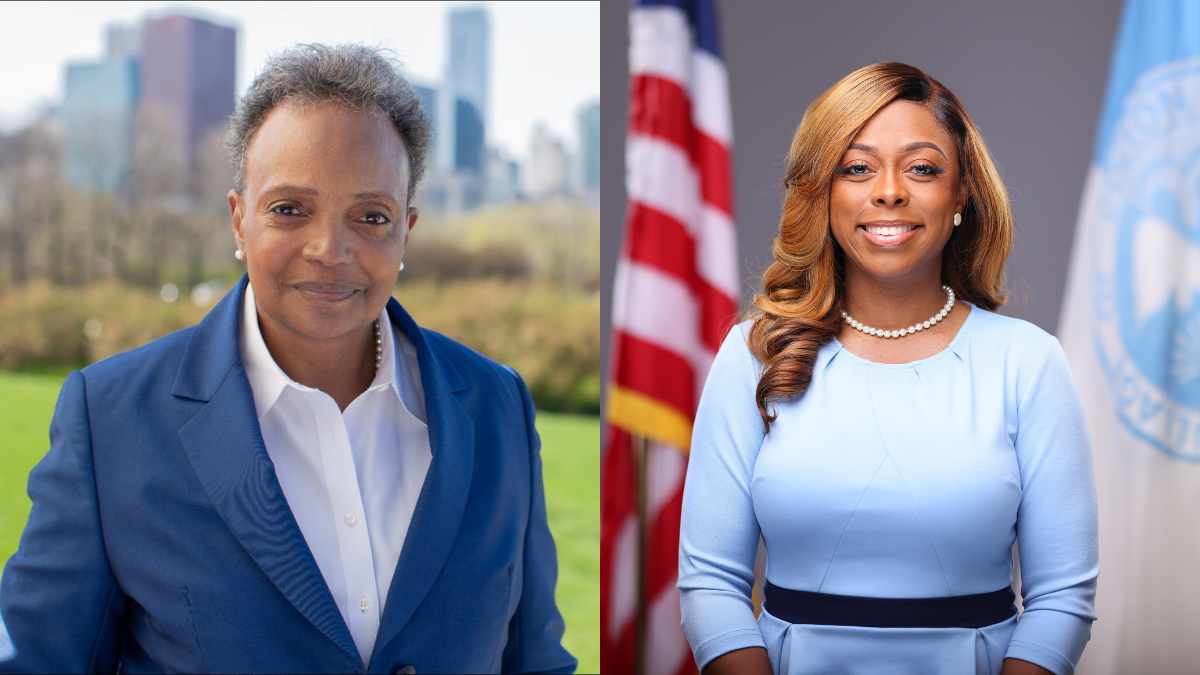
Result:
[[351, 478]]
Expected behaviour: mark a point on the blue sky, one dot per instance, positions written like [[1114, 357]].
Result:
[[545, 56]]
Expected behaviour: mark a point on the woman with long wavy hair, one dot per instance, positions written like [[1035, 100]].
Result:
[[886, 433]]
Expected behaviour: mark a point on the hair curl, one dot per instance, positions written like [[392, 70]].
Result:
[[799, 307]]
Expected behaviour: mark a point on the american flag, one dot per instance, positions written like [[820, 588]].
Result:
[[674, 298]]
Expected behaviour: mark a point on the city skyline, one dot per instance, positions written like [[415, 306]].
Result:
[[524, 38]]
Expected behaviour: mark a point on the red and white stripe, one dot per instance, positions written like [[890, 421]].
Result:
[[674, 298]]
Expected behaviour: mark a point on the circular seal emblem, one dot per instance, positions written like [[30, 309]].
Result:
[[1145, 260]]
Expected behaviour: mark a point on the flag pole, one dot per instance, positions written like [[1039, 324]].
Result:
[[641, 449]]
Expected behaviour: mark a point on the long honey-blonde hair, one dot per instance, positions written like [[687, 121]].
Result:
[[799, 307]]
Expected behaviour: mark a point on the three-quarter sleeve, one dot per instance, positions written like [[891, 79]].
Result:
[[1056, 521], [719, 531]]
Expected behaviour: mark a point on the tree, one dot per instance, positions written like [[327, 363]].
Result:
[[30, 182]]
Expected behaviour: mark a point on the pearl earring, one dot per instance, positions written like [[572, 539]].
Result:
[[401, 266], [239, 255], [957, 219]]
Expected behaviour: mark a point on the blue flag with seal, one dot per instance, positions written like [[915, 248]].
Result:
[[1131, 329]]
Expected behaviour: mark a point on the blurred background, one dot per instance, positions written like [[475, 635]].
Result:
[[114, 229]]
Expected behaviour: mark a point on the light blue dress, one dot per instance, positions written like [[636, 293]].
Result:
[[904, 480]]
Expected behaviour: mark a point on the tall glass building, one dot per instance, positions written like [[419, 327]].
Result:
[[588, 158], [428, 96], [468, 64], [98, 117], [468, 138]]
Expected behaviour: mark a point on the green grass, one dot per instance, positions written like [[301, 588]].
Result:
[[571, 465], [26, 404], [571, 472]]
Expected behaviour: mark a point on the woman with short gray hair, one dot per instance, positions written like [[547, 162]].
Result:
[[306, 480]]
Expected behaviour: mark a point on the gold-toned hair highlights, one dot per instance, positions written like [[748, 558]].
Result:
[[798, 309]]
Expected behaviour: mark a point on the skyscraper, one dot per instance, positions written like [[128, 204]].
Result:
[[188, 78], [468, 137], [588, 164], [502, 177], [122, 40], [468, 62], [428, 96], [97, 117], [547, 169]]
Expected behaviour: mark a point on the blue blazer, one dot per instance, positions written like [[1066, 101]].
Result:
[[160, 540]]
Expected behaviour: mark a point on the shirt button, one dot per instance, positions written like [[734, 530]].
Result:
[[351, 519], [363, 604]]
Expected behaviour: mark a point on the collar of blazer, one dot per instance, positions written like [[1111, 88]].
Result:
[[224, 443]]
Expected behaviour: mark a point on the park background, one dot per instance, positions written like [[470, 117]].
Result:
[[114, 229]]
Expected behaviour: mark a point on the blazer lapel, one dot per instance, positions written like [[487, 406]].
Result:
[[443, 498], [224, 443]]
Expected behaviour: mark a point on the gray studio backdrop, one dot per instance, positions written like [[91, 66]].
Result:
[[1031, 73]]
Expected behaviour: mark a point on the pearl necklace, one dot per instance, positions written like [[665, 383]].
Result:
[[378, 346], [931, 321]]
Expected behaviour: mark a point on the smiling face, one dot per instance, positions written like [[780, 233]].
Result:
[[324, 217], [895, 193]]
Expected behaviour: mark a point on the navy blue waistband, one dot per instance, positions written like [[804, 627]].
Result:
[[958, 611]]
